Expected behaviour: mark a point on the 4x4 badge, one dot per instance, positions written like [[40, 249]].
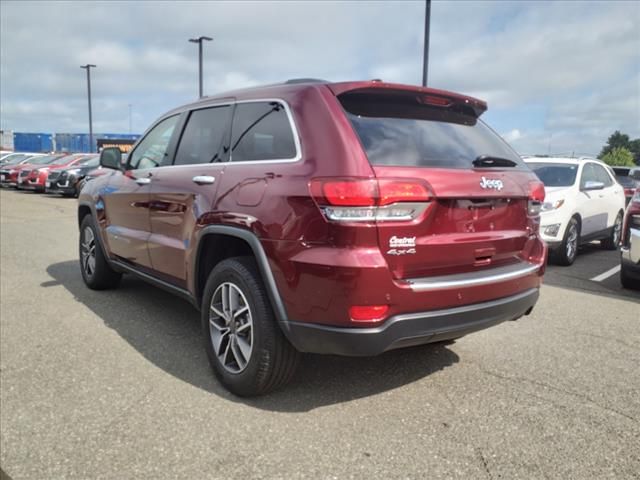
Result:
[[491, 183]]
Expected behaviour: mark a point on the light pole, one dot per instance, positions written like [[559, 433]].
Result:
[[87, 67], [199, 41], [425, 52], [130, 118]]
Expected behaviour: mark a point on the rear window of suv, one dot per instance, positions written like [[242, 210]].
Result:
[[399, 130]]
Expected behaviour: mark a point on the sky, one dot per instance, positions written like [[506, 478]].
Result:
[[557, 76]]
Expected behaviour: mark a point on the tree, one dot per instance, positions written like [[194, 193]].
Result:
[[615, 140], [621, 140], [619, 156]]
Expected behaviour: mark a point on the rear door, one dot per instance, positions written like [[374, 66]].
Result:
[[180, 194], [127, 200], [477, 215]]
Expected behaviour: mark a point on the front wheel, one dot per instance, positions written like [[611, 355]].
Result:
[[568, 249], [96, 271], [246, 348], [612, 242]]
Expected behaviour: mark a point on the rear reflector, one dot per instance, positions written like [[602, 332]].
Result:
[[368, 313]]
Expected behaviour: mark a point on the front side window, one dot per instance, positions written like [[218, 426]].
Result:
[[602, 175], [202, 139], [151, 150], [261, 131], [588, 175]]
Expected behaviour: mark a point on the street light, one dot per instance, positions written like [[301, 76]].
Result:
[[87, 67], [425, 52], [199, 41], [130, 118]]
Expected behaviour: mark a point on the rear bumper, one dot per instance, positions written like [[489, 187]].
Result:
[[409, 329]]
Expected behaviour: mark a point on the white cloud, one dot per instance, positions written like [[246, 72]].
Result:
[[581, 60]]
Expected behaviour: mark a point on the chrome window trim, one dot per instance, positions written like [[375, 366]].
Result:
[[287, 109]]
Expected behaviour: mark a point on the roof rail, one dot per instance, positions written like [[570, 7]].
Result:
[[293, 81]]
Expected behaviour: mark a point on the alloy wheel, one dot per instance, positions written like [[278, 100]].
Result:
[[88, 251], [231, 327], [572, 241], [617, 229]]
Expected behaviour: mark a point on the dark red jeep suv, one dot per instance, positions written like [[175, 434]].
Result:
[[340, 218]]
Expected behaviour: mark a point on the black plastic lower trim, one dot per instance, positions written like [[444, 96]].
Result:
[[411, 329]]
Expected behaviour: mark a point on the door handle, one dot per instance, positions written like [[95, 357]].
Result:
[[143, 181], [203, 179]]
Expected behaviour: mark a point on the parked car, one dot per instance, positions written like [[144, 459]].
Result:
[[583, 203], [630, 250], [95, 173], [337, 218], [36, 178], [629, 178], [11, 175], [66, 181], [13, 158]]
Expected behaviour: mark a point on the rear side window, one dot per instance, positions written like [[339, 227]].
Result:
[[261, 131], [202, 138], [399, 130]]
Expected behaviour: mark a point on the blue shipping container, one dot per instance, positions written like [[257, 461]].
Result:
[[32, 142]]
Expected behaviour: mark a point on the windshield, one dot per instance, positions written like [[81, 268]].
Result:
[[626, 181], [555, 174], [13, 159], [89, 162], [398, 130], [63, 160], [42, 160]]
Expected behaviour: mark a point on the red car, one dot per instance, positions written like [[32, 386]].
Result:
[[630, 251], [36, 178], [11, 175], [339, 218]]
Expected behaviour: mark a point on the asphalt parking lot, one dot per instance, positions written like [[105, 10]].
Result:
[[116, 384]]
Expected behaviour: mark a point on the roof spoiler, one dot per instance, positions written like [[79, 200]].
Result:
[[427, 96]]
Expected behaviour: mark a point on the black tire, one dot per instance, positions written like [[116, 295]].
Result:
[[627, 280], [79, 186], [272, 360], [612, 242], [567, 252], [96, 273]]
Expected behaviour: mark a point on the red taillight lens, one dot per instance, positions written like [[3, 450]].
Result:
[[352, 193], [368, 313], [393, 191], [536, 197], [370, 200]]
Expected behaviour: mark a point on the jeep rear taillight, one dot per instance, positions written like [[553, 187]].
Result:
[[370, 200], [536, 197]]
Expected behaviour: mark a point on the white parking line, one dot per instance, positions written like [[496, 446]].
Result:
[[607, 274]]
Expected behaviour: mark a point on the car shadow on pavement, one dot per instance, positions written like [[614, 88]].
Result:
[[166, 331]]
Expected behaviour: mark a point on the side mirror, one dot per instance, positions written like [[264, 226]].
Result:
[[591, 185], [111, 157]]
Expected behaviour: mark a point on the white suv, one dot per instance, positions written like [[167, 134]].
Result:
[[583, 202]]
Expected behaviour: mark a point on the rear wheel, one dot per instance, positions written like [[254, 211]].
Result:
[[246, 348], [612, 242], [96, 271], [568, 250]]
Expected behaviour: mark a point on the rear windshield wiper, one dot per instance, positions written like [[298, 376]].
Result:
[[490, 161]]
